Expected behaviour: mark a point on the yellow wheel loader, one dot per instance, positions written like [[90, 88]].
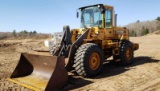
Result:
[[82, 50]]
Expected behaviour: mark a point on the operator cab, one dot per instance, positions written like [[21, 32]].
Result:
[[98, 15]]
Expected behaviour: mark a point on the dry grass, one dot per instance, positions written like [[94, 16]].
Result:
[[9, 35]]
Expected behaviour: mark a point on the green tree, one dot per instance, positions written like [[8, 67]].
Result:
[[30, 33], [34, 32], [137, 21], [144, 31], [158, 18], [132, 33], [14, 33], [147, 31], [25, 32], [158, 23]]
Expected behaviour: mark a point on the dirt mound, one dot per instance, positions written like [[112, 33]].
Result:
[[153, 34], [156, 32]]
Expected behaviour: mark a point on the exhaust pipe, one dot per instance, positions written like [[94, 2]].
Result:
[[114, 19]]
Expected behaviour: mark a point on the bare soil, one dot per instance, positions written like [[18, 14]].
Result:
[[142, 75]]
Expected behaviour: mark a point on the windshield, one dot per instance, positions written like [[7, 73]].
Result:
[[90, 17]]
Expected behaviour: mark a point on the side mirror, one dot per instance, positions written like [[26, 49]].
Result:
[[77, 14]]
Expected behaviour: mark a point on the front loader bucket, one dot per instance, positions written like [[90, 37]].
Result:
[[38, 72]]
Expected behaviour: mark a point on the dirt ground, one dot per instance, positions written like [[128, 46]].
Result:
[[142, 75]]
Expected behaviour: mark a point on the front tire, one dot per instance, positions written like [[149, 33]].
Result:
[[88, 60]]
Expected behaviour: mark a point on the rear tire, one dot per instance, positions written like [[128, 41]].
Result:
[[126, 53], [88, 60]]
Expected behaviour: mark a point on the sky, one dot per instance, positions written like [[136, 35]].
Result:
[[48, 16]]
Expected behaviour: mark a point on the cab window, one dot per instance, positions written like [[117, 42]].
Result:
[[108, 18]]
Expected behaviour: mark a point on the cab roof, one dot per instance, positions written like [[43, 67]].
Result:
[[104, 6]]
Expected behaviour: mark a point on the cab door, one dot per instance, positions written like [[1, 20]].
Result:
[[108, 24]]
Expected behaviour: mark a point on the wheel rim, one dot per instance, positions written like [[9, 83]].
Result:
[[94, 61], [128, 53]]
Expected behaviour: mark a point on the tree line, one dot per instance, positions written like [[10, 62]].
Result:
[[24, 33], [142, 28]]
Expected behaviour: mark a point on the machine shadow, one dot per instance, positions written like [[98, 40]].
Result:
[[75, 82], [109, 69]]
